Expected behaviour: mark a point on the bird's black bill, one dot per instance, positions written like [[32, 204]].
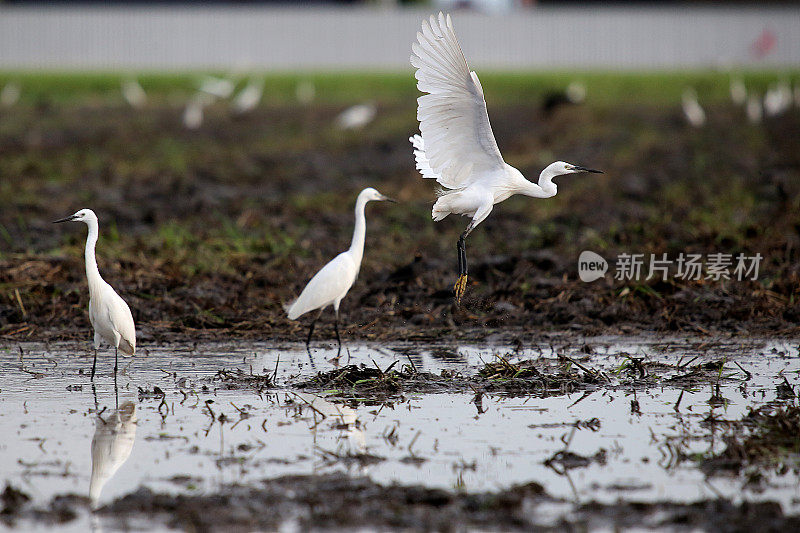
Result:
[[67, 219], [584, 169], [387, 199]]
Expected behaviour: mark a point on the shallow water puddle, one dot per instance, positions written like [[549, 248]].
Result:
[[582, 446]]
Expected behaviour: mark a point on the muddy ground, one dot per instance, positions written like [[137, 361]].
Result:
[[208, 233]]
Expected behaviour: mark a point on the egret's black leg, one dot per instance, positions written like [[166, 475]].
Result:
[[336, 328], [96, 406], [116, 358], [461, 282], [311, 330], [94, 363]]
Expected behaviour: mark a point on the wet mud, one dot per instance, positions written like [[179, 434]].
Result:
[[336, 502], [208, 233]]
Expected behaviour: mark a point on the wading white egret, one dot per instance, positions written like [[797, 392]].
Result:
[[330, 285], [109, 314], [457, 147]]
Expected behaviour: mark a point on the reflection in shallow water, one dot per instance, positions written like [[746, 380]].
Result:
[[643, 442], [341, 415], [111, 446]]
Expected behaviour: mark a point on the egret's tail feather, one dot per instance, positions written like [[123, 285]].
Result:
[[128, 348], [291, 312], [439, 211]]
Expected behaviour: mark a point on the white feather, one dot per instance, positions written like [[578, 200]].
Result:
[[459, 145]]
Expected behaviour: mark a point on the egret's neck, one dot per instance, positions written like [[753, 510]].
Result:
[[544, 189], [357, 246], [546, 182], [92, 273]]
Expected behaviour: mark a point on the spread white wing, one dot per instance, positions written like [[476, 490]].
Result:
[[459, 145]]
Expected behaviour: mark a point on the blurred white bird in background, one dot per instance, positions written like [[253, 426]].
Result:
[[217, 87], [193, 113], [356, 117], [457, 147], [112, 443], [249, 97], [305, 91], [134, 93], [777, 99], [738, 90], [109, 314], [754, 109], [10, 94], [692, 110], [333, 281]]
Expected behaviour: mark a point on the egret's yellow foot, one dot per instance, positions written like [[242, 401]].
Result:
[[460, 287]]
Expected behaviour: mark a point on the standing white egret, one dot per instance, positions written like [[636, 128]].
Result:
[[134, 93], [457, 147], [109, 314], [356, 117], [248, 98], [10, 94], [692, 110], [754, 109], [330, 285], [738, 91]]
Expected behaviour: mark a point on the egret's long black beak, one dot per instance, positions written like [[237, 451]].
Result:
[[584, 169], [387, 199], [67, 219]]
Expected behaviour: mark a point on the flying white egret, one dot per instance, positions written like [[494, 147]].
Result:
[[692, 110], [457, 147], [330, 285], [133, 93], [248, 98], [109, 314], [356, 117]]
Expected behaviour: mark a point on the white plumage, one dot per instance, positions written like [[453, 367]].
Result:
[[457, 147], [249, 97], [333, 281], [109, 314], [356, 117], [692, 111], [10, 94], [134, 93]]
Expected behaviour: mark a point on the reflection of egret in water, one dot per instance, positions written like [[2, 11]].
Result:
[[111, 446], [339, 414]]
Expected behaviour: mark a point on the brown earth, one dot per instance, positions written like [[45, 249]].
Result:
[[207, 233]]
